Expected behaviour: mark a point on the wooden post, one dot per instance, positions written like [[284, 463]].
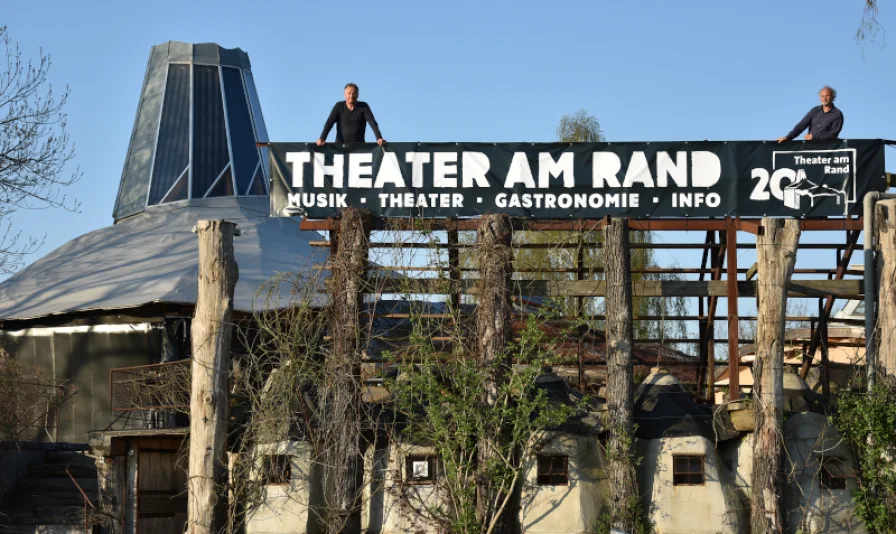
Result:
[[343, 457], [776, 247], [885, 224], [209, 401], [493, 320], [620, 377]]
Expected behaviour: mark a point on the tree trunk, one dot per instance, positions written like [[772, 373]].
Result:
[[885, 223], [342, 398], [620, 377], [776, 247], [209, 400], [493, 316]]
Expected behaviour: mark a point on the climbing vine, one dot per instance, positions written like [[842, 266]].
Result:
[[867, 422]]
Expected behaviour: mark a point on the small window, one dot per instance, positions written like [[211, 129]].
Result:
[[277, 470], [553, 470], [420, 469], [833, 474], [687, 470]]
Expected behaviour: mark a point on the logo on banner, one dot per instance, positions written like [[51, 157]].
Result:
[[803, 178]]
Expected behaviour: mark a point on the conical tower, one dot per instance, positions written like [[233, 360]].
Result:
[[196, 129]]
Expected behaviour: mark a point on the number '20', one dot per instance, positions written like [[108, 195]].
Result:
[[761, 191]]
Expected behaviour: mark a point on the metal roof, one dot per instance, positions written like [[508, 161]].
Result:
[[153, 258]]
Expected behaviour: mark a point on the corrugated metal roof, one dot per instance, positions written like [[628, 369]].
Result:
[[153, 257]]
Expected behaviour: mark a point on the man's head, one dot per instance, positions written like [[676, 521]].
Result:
[[351, 93], [827, 95]]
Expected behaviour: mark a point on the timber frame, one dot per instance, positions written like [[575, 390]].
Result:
[[717, 276]]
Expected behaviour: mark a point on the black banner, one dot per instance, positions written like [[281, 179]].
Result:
[[579, 180]]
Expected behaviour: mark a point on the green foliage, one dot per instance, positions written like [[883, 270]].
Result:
[[579, 128], [442, 402], [867, 421], [632, 514]]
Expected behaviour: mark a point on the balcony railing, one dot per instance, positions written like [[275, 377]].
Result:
[[150, 396]]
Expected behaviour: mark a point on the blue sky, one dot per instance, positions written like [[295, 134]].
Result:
[[468, 71]]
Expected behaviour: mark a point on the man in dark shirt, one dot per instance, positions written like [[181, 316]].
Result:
[[824, 121], [351, 118]]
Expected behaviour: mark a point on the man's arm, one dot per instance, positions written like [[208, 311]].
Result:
[[331, 120], [800, 126], [834, 132], [368, 116]]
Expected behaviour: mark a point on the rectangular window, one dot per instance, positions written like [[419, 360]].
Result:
[[420, 469], [553, 470], [277, 470], [833, 474], [687, 471]]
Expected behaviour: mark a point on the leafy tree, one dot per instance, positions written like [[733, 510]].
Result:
[[440, 402], [35, 147]]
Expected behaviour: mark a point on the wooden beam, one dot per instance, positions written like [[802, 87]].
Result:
[[848, 289], [852, 240], [751, 272]]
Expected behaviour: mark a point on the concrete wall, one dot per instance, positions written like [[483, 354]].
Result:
[[390, 504], [710, 508], [572, 508], [809, 439], [285, 508]]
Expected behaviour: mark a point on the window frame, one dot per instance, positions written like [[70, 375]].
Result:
[[275, 473], [827, 476], [432, 465], [687, 476], [545, 470]]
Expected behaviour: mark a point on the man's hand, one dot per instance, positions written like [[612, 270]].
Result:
[[782, 139], [807, 137], [320, 142], [381, 142]]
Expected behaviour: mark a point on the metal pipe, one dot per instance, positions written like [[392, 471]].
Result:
[[871, 199]]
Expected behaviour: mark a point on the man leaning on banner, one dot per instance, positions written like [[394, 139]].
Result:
[[351, 118], [824, 121]]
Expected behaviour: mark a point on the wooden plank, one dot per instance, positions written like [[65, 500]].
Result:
[[846, 289], [751, 272], [689, 224]]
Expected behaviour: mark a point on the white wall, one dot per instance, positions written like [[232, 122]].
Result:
[[710, 508], [573, 508], [391, 505], [285, 508], [809, 437]]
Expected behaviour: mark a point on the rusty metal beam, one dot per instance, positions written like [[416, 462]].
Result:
[[733, 326], [718, 262], [852, 239], [410, 224], [550, 246]]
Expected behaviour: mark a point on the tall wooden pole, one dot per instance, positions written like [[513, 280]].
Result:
[[342, 399], [776, 247], [209, 402], [493, 320], [620, 376], [885, 224]]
